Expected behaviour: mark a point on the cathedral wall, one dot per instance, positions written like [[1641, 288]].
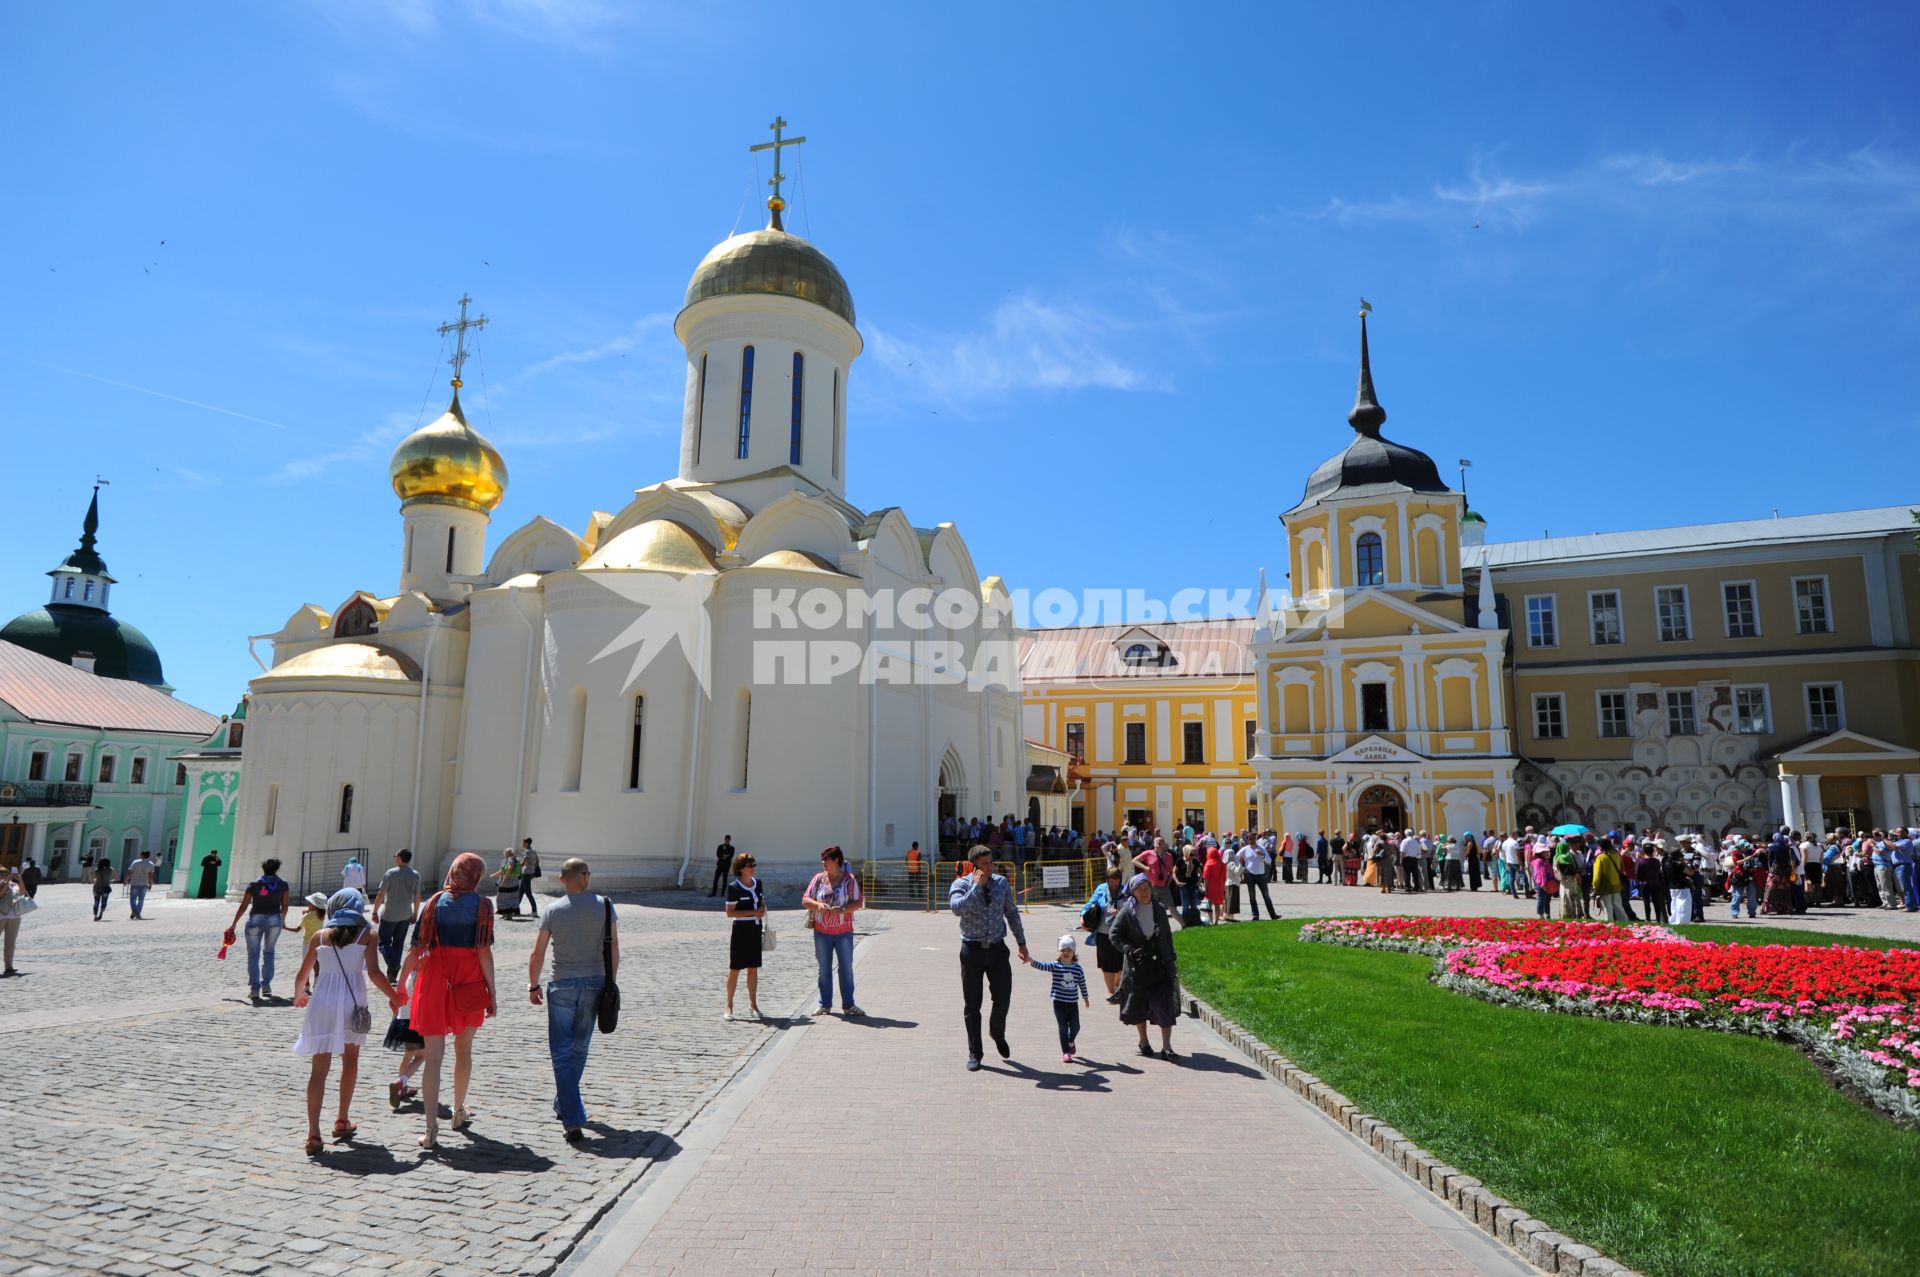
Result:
[[498, 726]]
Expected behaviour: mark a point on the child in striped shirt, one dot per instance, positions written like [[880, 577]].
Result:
[[1069, 983]]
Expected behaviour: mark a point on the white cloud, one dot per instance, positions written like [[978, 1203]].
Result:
[[367, 446], [644, 328], [1027, 344]]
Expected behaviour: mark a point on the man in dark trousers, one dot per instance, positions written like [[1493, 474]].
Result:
[[722, 864], [983, 901]]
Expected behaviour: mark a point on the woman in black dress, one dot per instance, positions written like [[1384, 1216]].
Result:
[[209, 874], [747, 906], [1150, 986]]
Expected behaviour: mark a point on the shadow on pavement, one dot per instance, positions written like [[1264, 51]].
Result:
[[611, 1141], [880, 1022], [487, 1156], [1206, 1062]]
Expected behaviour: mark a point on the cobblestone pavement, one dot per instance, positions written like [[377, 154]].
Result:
[[1315, 900], [870, 1149], [154, 1120]]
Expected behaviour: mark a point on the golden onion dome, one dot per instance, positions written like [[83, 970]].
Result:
[[771, 262], [448, 462], [658, 545]]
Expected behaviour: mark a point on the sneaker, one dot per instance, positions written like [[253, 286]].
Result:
[[852, 1011], [1113, 999], [973, 1064], [1066, 1057], [727, 1015], [266, 994], [394, 1093]]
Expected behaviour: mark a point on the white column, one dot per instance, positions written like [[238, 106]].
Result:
[[1910, 783], [1890, 813], [1810, 804], [1262, 730]]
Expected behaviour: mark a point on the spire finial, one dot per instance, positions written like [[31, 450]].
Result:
[[1367, 416], [91, 524], [774, 201], [459, 330]]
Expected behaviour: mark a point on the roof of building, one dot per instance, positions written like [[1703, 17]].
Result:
[[1193, 649], [44, 690], [771, 262], [1838, 526], [61, 631], [1372, 465]]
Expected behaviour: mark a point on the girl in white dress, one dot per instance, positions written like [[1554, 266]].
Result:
[[341, 957]]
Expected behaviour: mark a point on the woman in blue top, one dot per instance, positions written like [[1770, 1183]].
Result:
[[1107, 955]]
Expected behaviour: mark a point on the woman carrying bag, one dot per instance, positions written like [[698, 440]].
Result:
[[454, 994], [1150, 985]]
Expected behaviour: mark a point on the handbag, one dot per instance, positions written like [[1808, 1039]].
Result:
[[468, 998], [767, 940], [607, 1010], [24, 905], [362, 1019], [1091, 917]]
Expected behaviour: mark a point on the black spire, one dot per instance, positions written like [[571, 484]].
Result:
[[86, 559], [1367, 416]]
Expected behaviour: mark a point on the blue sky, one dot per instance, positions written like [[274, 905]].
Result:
[[1644, 263]]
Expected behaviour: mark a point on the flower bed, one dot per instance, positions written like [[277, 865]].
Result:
[[1857, 1008]]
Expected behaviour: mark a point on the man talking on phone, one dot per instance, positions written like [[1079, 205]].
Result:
[[983, 901]]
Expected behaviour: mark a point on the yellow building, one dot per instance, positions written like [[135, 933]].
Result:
[[1705, 678], [1161, 719]]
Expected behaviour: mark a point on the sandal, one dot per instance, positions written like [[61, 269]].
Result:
[[314, 1145], [461, 1120], [428, 1140], [344, 1130]]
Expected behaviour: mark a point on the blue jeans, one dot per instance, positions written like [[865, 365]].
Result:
[[393, 944], [136, 899], [1743, 892], [263, 932], [1905, 875], [100, 899], [571, 1005], [825, 948]]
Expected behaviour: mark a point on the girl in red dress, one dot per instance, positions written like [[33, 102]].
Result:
[[451, 960]]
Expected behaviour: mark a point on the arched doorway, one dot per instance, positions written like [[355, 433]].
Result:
[[953, 786], [1380, 807]]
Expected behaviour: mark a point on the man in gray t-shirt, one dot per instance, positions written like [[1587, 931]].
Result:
[[576, 926], [395, 905], [139, 877]]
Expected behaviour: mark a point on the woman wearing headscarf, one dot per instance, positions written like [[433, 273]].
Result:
[[1214, 876], [1150, 982], [342, 957], [454, 992], [1106, 898]]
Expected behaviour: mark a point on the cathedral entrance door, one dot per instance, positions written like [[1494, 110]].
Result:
[[1379, 808]]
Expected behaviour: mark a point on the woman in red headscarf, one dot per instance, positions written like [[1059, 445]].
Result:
[[451, 962], [1214, 876]]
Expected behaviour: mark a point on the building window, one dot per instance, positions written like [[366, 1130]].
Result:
[[1681, 719], [69, 589], [799, 375], [1825, 713], [346, 809], [138, 772], [86, 595], [106, 769], [699, 407], [273, 806], [1670, 605], [1077, 740], [1549, 716], [450, 532], [746, 399], [1742, 612], [1373, 708], [37, 765], [1603, 611], [235, 731], [1750, 710], [633, 745], [1136, 742], [577, 741], [1614, 721], [407, 557], [836, 423], [1252, 737], [1370, 559], [74, 763], [1192, 743], [1194, 818], [1810, 613], [746, 735], [180, 777], [1543, 626]]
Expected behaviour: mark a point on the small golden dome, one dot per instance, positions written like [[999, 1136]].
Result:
[[658, 545], [448, 462]]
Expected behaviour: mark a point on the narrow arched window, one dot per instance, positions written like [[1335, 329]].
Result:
[[639, 729], [836, 423], [746, 734], [746, 399], [1370, 559], [799, 375], [346, 809], [450, 532], [69, 587], [87, 595], [699, 407], [577, 745], [409, 556]]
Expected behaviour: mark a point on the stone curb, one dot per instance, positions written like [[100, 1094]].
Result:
[[1526, 1236]]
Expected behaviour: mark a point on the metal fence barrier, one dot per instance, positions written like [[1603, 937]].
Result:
[[1060, 881], [906, 883], [320, 870]]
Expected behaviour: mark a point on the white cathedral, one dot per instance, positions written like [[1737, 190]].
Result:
[[527, 692]]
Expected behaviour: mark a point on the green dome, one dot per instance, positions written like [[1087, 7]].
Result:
[[60, 630]]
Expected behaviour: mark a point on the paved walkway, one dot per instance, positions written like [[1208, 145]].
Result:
[[867, 1147]]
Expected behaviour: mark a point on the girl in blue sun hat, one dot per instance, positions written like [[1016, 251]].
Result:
[[341, 957]]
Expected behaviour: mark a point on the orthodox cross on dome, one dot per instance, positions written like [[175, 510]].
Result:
[[459, 331], [774, 202]]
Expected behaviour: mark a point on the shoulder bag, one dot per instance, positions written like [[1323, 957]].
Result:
[[608, 1008], [361, 1021]]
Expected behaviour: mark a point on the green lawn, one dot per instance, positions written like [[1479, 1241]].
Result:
[[1673, 1150]]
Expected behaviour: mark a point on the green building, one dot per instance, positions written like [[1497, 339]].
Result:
[[212, 775], [89, 729]]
